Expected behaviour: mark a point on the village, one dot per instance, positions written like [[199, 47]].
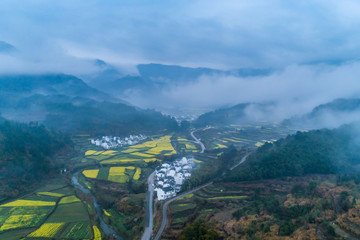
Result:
[[109, 142], [169, 177]]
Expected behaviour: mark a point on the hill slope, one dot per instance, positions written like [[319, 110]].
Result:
[[314, 152], [330, 115], [66, 103]]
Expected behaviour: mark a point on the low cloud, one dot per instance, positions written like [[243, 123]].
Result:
[[293, 91], [64, 35]]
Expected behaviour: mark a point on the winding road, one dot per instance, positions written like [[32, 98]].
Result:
[[197, 140], [149, 209], [166, 204]]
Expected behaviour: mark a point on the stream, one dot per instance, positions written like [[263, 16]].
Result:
[[106, 229]]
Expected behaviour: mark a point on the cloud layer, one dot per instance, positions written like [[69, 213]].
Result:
[[64, 35], [311, 45]]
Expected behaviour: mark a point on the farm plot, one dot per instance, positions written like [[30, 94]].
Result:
[[69, 221], [186, 145], [32, 211], [24, 214], [118, 174], [139, 155]]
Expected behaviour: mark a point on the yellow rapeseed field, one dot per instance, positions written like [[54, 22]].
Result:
[[142, 154], [109, 152], [107, 213], [220, 146], [91, 173], [69, 199], [116, 161], [259, 144], [189, 146], [117, 174], [157, 146], [21, 221], [137, 174], [47, 230], [92, 152], [28, 203], [97, 233], [52, 194]]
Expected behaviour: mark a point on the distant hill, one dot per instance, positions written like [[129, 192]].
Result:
[[59, 84], [153, 78], [66, 103], [241, 114], [332, 114], [315, 152]]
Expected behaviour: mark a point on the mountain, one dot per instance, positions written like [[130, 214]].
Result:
[[59, 84], [240, 114], [6, 47], [66, 103], [333, 114], [314, 152], [154, 79]]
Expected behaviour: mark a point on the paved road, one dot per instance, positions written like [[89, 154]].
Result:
[[149, 209], [197, 140], [165, 206], [241, 161]]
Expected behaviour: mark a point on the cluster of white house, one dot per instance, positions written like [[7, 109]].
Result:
[[169, 177], [109, 142]]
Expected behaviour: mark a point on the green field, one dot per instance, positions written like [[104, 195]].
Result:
[[52, 212]]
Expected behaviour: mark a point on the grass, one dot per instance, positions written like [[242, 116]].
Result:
[[16, 234], [74, 212], [182, 207], [186, 196], [227, 197], [69, 199]]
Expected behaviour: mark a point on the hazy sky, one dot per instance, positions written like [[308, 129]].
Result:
[[64, 35], [312, 45]]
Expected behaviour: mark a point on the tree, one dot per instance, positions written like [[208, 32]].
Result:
[[199, 231]]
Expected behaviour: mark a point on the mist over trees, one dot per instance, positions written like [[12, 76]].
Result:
[[321, 151]]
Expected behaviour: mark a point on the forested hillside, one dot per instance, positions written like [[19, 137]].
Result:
[[314, 152], [66, 103], [29, 153]]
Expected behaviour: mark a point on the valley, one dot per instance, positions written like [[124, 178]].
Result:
[[111, 186]]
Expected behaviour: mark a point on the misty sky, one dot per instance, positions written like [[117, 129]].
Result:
[[287, 36]]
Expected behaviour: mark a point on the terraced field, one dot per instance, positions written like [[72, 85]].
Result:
[[241, 135], [187, 146], [202, 203]]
